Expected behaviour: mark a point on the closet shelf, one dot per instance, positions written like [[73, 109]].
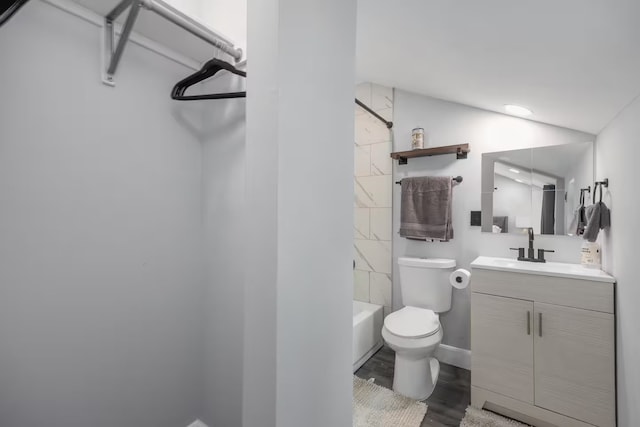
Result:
[[460, 150], [161, 26]]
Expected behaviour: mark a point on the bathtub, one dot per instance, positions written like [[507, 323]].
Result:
[[367, 331]]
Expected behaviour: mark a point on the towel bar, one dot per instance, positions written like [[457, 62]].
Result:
[[457, 179]]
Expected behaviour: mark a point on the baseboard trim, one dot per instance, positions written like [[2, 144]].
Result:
[[454, 356], [197, 423]]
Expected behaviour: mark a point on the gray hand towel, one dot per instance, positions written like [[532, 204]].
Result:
[[598, 218], [425, 211]]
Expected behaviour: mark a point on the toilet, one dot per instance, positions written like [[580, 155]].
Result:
[[414, 332]]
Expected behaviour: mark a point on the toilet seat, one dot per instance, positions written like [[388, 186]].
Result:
[[412, 322]]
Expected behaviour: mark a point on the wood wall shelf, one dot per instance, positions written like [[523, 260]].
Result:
[[460, 150]]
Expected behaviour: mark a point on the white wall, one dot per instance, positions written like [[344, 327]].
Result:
[[299, 218], [617, 153], [223, 139], [100, 256], [259, 377], [449, 123]]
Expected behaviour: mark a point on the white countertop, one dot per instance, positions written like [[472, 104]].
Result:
[[558, 269]]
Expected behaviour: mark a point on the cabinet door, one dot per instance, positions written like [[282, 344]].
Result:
[[575, 363], [502, 345]]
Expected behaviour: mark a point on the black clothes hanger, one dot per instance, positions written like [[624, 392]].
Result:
[[8, 9], [215, 65], [208, 70]]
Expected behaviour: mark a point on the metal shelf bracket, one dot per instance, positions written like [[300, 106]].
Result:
[[112, 51], [461, 154]]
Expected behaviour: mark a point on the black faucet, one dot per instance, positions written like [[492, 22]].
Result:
[[531, 253]]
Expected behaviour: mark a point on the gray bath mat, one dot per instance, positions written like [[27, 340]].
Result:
[[375, 406], [479, 418]]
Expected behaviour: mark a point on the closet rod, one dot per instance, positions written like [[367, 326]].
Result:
[[194, 28], [164, 11]]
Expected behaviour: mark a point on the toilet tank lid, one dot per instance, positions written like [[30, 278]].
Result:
[[427, 262]]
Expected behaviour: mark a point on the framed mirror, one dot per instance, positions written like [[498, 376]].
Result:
[[537, 188]]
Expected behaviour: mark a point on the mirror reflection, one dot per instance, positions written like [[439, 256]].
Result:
[[537, 188]]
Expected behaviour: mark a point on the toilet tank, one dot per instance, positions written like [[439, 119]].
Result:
[[424, 282]]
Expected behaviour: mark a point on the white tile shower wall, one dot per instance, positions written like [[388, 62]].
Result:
[[373, 190]]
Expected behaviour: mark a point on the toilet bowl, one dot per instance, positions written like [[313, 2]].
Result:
[[414, 334]]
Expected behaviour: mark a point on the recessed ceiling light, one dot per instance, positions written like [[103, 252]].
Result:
[[517, 110], [514, 170]]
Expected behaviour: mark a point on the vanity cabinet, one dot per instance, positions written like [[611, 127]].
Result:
[[543, 348], [575, 363], [502, 345]]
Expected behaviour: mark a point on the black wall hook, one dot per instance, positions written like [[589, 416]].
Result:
[[603, 183]]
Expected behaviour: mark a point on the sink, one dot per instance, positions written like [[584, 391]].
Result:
[[558, 269], [504, 262]]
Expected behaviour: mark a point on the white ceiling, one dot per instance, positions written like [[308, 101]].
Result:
[[575, 63]]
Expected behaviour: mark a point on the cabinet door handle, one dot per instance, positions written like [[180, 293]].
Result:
[[528, 323], [540, 324]]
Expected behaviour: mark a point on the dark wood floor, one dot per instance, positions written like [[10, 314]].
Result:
[[448, 401]]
